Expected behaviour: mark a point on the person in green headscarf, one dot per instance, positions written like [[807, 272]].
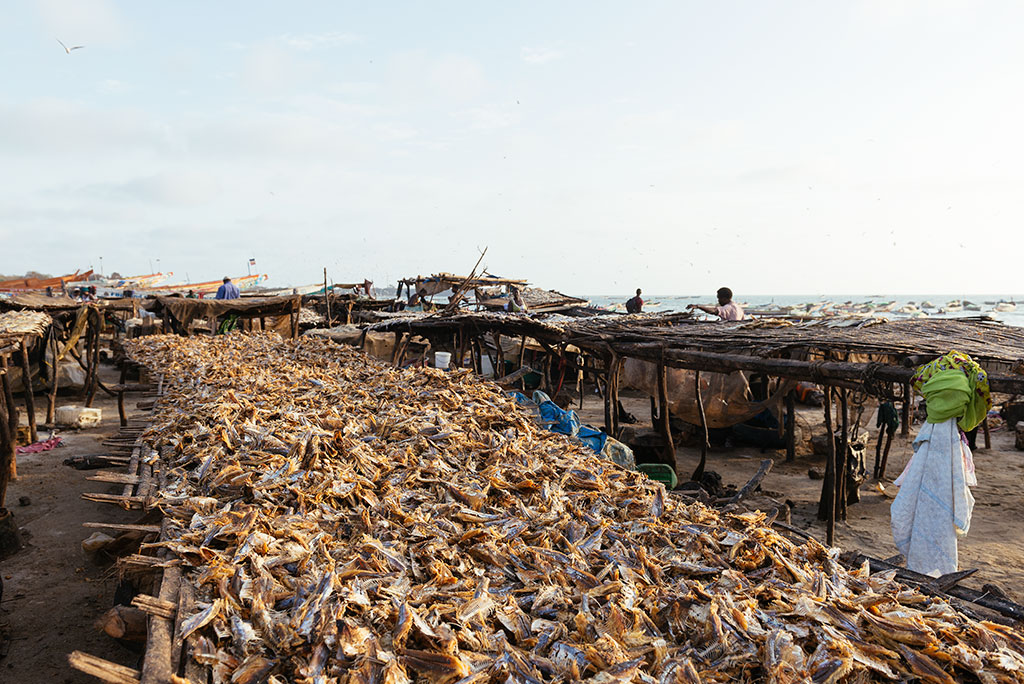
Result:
[[954, 386]]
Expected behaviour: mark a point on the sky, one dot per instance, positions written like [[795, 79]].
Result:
[[592, 147]]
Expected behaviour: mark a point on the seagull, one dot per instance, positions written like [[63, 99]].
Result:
[[69, 49]]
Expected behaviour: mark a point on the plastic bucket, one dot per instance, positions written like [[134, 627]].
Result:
[[442, 359]]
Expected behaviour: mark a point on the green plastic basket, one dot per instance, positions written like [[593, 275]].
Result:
[[660, 472]]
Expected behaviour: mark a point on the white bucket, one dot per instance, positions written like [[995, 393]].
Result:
[[442, 359], [77, 416]]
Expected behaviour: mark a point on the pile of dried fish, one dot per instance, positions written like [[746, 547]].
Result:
[[348, 521], [16, 323]]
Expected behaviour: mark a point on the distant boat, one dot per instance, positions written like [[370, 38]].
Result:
[[140, 281], [953, 306], [21, 284], [1004, 307], [209, 287], [927, 305]]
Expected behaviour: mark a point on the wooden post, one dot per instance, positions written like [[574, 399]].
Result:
[[907, 398], [327, 298], [30, 400], [826, 506], [663, 417], [841, 459], [94, 360], [609, 363], [988, 437], [8, 451], [885, 454], [613, 392], [51, 403], [522, 357], [698, 474], [394, 351], [12, 419], [499, 356], [120, 394], [790, 427]]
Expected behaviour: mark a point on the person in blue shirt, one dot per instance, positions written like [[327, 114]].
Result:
[[228, 290]]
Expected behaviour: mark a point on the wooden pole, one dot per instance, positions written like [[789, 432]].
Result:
[[613, 391], [51, 403], [826, 507], [120, 394], [609, 363], [30, 400], [522, 358], [94, 360], [12, 419], [8, 451], [907, 398], [841, 459], [698, 474], [885, 454], [327, 298], [664, 426], [790, 427]]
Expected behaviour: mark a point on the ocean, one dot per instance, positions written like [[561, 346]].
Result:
[[887, 306]]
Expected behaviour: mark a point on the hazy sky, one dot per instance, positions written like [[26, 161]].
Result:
[[776, 147]]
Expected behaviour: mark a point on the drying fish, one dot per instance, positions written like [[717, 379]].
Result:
[[342, 520]]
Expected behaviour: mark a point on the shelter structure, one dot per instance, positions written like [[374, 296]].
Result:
[[873, 356], [282, 313]]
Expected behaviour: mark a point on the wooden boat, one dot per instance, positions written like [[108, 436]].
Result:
[[209, 287], [22, 284]]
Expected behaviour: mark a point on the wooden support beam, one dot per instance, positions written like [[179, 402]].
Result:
[[664, 428], [790, 427], [10, 466], [30, 400], [698, 474], [51, 399], [827, 504], [908, 397]]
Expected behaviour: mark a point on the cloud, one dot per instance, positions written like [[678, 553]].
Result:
[[540, 55], [179, 188], [111, 86], [315, 41], [457, 76], [487, 118], [82, 21]]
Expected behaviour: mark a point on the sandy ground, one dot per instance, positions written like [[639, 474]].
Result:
[[52, 592], [994, 545]]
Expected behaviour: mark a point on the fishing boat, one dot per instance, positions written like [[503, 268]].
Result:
[[140, 281], [1005, 307], [23, 284], [209, 287]]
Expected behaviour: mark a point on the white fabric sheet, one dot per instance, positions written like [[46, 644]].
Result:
[[933, 506]]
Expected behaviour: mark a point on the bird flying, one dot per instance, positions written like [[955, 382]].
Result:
[[69, 49]]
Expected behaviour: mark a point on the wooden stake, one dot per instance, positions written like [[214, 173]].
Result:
[[828, 500], [790, 427], [8, 449], [120, 395], [907, 398], [843, 456], [51, 403], [30, 401], [664, 427], [698, 474], [327, 298], [12, 419], [613, 392]]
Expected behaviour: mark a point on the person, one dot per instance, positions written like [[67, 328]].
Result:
[[934, 504], [515, 303], [228, 290], [635, 304], [191, 294], [727, 310]]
